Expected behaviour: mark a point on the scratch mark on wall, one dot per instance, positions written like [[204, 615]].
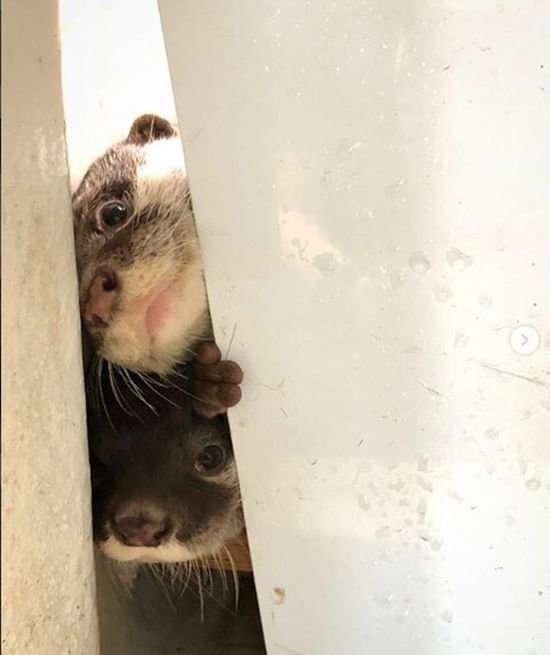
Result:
[[286, 649], [496, 369], [433, 392]]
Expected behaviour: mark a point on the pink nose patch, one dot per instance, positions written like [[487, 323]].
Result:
[[141, 530], [103, 291]]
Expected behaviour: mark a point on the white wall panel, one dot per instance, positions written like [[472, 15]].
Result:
[[114, 70], [371, 187]]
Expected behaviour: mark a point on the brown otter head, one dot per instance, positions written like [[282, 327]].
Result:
[[141, 286]]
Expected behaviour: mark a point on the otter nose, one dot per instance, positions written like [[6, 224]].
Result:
[[102, 294], [140, 530]]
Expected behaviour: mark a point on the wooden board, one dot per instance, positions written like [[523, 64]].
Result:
[[239, 554]]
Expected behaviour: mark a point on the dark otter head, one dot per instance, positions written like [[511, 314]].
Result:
[[164, 490], [141, 288]]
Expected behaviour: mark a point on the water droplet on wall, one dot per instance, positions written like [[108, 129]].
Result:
[[396, 279], [419, 263], [326, 263], [384, 601], [363, 502], [442, 293], [423, 463], [436, 543], [523, 466], [402, 616], [459, 260], [424, 483], [383, 532], [461, 340], [533, 483], [395, 188], [278, 595], [447, 616], [491, 433]]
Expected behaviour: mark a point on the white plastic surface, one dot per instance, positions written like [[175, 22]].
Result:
[[114, 70], [371, 187]]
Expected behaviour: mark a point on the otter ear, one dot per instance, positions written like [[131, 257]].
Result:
[[149, 128]]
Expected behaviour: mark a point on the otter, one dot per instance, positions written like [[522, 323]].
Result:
[[141, 287], [142, 292], [164, 480]]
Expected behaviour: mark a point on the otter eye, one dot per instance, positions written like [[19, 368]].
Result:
[[210, 460], [113, 214]]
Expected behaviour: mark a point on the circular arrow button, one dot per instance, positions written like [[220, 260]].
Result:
[[524, 340]]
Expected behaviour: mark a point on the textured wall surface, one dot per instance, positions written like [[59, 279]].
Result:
[[48, 585]]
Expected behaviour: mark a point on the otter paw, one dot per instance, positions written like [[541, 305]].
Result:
[[215, 383]]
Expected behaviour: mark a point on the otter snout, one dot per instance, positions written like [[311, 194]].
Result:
[[101, 297], [141, 530]]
